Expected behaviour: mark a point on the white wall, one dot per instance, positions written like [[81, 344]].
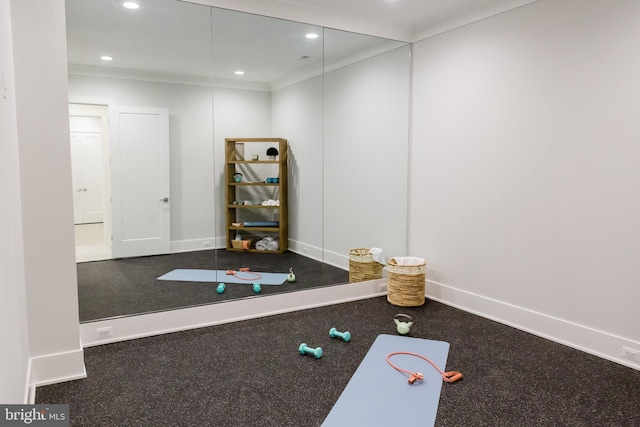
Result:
[[366, 114], [525, 185], [45, 191], [14, 332], [297, 115]]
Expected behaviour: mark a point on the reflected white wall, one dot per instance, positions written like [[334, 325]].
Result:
[[297, 116], [192, 112], [366, 113]]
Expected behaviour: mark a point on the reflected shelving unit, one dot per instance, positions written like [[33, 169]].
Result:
[[252, 212]]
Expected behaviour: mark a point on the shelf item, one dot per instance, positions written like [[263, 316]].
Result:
[[256, 195]]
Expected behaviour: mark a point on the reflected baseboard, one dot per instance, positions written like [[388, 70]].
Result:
[[306, 250], [337, 260], [90, 253], [150, 324], [191, 245]]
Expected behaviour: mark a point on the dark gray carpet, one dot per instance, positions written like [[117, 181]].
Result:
[[130, 286], [250, 374]]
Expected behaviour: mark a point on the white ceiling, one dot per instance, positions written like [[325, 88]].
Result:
[[171, 40], [406, 20]]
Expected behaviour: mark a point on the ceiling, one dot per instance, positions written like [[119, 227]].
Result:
[[187, 41], [406, 20]]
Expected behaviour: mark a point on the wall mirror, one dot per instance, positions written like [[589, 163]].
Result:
[[148, 130]]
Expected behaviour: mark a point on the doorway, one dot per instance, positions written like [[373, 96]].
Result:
[[89, 137]]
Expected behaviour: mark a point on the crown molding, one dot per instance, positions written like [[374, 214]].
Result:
[[467, 16], [149, 76]]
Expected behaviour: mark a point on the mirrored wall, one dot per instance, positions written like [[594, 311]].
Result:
[[340, 99]]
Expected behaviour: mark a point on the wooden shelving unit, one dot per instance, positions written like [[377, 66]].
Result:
[[253, 187]]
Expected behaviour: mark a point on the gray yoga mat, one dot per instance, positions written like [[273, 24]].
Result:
[[379, 395], [221, 276]]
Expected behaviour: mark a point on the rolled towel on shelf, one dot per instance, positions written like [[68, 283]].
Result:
[[272, 245], [262, 244]]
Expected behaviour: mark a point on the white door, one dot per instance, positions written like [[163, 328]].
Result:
[[140, 181], [87, 177]]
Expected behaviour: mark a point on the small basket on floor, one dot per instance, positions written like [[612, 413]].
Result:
[[406, 281], [362, 266]]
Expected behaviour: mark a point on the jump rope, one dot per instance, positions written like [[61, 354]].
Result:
[[449, 376], [246, 271]]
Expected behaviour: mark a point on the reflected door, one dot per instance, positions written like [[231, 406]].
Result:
[[140, 181], [87, 176]]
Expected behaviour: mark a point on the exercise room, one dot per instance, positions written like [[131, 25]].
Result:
[[274, 213]]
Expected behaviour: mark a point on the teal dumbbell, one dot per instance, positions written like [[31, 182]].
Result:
[[316, 352], [257, 288], [346, 336], [220, 288]]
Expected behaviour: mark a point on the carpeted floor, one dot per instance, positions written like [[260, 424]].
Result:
[[130, 286], [250, 374]]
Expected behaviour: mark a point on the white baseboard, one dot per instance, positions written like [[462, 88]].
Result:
[[56, 368], [581, 337], [193, 245], [337, 260], [306, 250], [131, 327], [29, 388]]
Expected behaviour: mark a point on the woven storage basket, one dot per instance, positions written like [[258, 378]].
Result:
[[362, 266], [240, 244], [406, 284]]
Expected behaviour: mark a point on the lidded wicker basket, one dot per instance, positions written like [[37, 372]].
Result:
[[362, 266], [406, 281]]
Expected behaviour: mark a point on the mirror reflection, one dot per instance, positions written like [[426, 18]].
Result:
[[148, 130]]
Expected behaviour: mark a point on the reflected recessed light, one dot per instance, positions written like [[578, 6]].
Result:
[[106, 58], [239, 72], [131, 5], [312, 36]]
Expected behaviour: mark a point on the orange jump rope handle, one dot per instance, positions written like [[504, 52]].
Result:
[[452, 376]]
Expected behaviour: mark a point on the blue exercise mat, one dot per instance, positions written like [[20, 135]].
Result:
[[193, 275], [379, 395]]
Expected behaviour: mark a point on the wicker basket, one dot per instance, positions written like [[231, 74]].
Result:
[[362, 266], [406, 283], [241, 244]]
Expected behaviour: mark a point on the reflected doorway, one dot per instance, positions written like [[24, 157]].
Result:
[[89, 138]]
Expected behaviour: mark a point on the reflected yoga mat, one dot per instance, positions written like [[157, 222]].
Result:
[[193, 275], [379, 395]]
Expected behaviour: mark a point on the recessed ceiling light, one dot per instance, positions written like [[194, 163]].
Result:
[[239, 72], [131, 5], [312, 36], [106, 58]]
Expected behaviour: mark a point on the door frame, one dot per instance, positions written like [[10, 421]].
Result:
[[108, 103]]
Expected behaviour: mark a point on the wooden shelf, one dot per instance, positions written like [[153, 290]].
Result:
[[252, 207], [253, 250], [237, 213], [257, 162]]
